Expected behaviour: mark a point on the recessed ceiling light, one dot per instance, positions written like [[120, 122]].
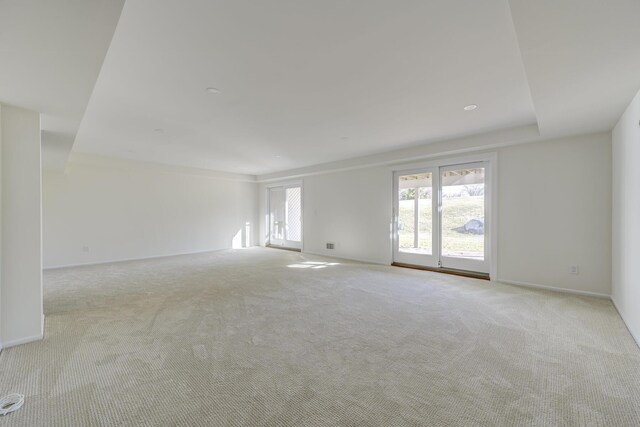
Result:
[[213, 90], [470, 107], [277, 156]]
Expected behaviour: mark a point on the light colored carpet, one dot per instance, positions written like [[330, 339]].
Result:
[[257, 337]]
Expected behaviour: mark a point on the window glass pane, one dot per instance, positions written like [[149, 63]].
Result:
[[425, 212], [463, 213], [294, 214], [276, 214], [415, 210]]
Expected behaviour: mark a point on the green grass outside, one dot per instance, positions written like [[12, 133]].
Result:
[[456, 212]]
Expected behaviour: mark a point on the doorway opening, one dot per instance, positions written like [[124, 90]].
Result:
[[285, 217]]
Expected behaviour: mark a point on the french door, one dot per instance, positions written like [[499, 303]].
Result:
[[441, 217], [285, 216]]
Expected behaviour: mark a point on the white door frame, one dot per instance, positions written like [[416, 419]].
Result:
[[284, 185], [491, 209]]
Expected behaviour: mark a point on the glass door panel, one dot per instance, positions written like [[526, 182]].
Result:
[[425, 219], [463, 206], [414, 225], [285, 216], [294, 214], [277, 220]]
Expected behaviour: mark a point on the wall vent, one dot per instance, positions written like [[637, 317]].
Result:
[[331, 245]]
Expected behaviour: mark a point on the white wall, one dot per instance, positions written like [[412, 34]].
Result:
[[107, 210], [626, 217], [352, 210], [554, 211], [1, 342], [21, 267], [348, 208]]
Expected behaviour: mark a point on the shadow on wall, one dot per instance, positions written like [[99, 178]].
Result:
[[242, 239]]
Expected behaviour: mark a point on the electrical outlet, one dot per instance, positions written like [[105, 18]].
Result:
[[331, 245], [573, 269], [85, 249]]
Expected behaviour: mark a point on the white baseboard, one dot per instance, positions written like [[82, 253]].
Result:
[[634, 336], [25, 340], [86, 264], [553, 288], [367, 261]]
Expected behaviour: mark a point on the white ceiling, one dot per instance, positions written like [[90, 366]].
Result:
[[582, 59], [305, 82], [299, 76], [50, 55]]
